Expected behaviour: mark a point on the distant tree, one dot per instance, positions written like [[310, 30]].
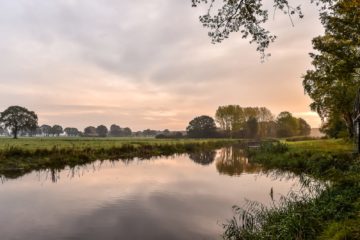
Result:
[[46, 130], [230, 118], [287, 125], [201, 127], [251, 127], [304, 129], [18, 118], [149, 133], [56, 130], [126, 132], [72, 132], [2, 131], [166, 132], [115, 131], [90, 131], [102, 131]]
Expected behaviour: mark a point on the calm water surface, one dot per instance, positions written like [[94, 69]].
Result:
[[180, 197]]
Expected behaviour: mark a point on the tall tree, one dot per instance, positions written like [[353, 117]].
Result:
[[18, 119], [230, 118], [332, 84], [201, 127]]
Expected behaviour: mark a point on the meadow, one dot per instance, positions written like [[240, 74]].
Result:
[[19, 156], [36, 143], [330, 210]]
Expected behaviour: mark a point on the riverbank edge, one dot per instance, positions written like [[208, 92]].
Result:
[[333, 215], [17, 161]]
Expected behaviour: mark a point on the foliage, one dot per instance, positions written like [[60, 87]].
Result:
[[90, 131], [332, 84], [72, 132], [46, 130], [18, 118], [201, 127], [115, 130], [251, 127], [326, 211], [239, 121], [246, 17], [56, 130], [289, 126], [102, 131]]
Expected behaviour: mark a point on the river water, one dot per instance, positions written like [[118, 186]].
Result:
[[179, 197]]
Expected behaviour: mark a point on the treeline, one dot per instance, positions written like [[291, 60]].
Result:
[[91, 131], [235, 121]]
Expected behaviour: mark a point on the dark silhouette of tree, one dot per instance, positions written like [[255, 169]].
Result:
[[149, 133], [18, 119], [72, 132], [115, 131], [46, 130], [203, 157], [201, 127], [287, 125], [126, 132], [304, 127], [251, 127], [90, 131], [102, 131], [56, 130]]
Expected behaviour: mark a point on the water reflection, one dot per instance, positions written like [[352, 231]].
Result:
[[179, 197], [232, 161], [203, 158]]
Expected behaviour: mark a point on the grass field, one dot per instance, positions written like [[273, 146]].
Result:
[[36, 143], [19, 156], [322, 145], [331, 213]]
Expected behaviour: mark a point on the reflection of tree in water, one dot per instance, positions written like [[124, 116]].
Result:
[[203, 158], [233, 162]]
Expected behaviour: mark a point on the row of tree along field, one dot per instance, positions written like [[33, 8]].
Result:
[[233, 122]]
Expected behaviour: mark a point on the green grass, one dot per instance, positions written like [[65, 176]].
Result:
[[322, 145], [19, 156], [332, 213], [82, 143]]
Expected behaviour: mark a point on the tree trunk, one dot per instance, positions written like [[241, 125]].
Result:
[[15, 132], [349, 124]]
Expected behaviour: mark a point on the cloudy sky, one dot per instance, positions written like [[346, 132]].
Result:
[[143, 64]]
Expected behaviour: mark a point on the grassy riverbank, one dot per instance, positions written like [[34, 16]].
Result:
[[18, 156], [333, 214]]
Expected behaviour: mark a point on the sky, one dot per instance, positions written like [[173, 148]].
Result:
[[144, 64]]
